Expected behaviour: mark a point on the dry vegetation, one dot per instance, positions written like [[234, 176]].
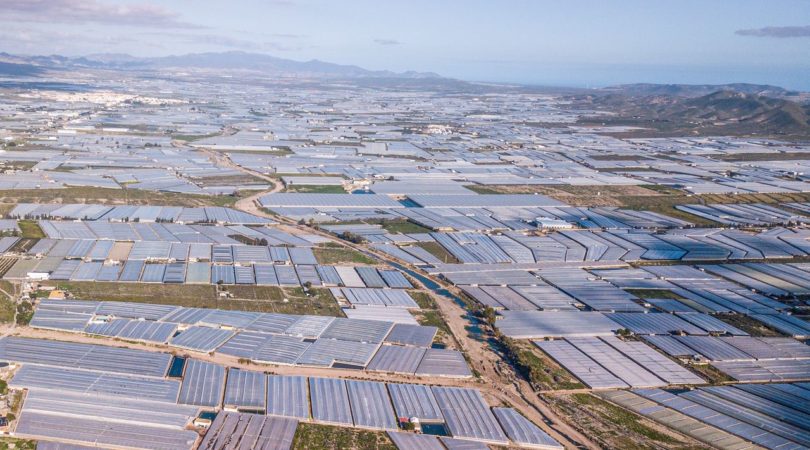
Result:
[[541, 371], [614, 427], [8, 443], [749, 325], [315, 189], [710, 373], [429, 315], [231, 180], [653, 293], [242, 297], [7, 304]]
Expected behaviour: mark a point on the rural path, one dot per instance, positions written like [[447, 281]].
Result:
[[248, 204], [498, 381]]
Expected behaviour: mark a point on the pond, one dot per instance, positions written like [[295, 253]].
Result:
[[176, 368], [436, 429]]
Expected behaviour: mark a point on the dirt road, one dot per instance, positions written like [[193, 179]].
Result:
[[247, 204], [498, 381]]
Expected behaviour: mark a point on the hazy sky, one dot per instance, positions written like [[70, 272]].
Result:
[[563, 42]]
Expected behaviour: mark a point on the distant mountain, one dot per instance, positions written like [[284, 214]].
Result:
[[744, 109], [698, 90], [19, 70], [723, 112], [235, 61]]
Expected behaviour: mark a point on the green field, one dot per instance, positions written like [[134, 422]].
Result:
[[436, 249], [422, 299], [30, 229], [404, 227], [314, 436], [244, 297], [342, 255], [232, 180], [315, 189], [112, 197]]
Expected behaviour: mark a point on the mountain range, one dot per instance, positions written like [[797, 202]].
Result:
[[658, 109], [722, 112], [698, 90], [233, 61]]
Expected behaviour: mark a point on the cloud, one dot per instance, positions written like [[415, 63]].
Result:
[[288, 35], [777, 32], [28, 40], [92, 11], [387, 42], [218, 40], [235, 43]]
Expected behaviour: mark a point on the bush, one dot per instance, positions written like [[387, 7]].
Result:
[[25, 312]]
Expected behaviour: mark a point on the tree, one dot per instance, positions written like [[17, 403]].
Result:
[[489, 316]]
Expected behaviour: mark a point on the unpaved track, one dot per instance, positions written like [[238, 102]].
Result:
[[498, 382], [247, 204]]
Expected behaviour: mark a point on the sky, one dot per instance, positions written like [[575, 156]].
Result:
[[580, 43]]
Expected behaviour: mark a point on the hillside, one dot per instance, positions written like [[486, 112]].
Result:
[[738, 107], [724, 112], [19, 70], [697, 90]]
